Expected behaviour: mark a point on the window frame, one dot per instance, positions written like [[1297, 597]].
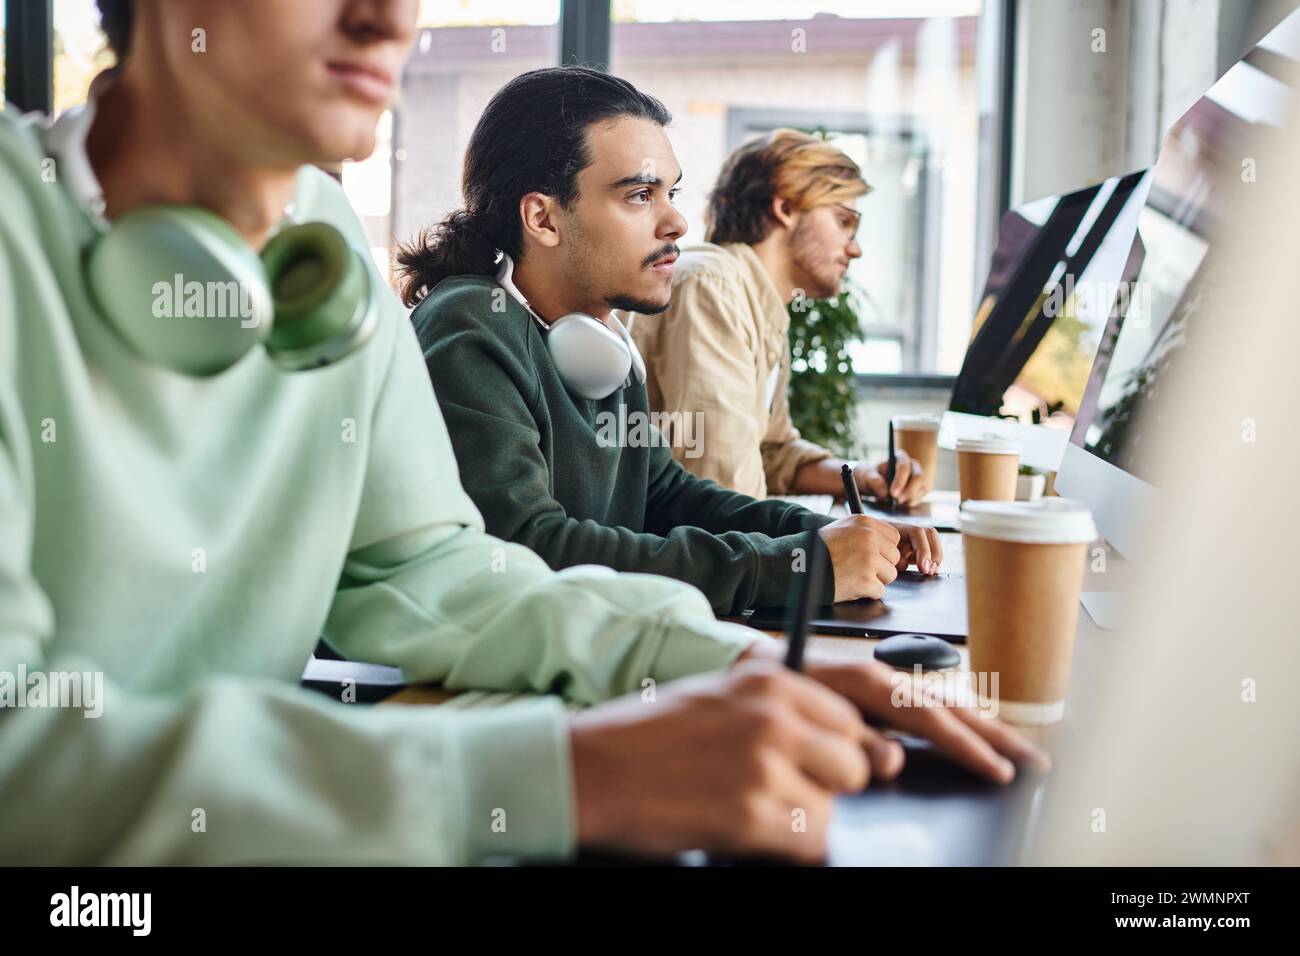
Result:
[[29, 55], [585, 33]]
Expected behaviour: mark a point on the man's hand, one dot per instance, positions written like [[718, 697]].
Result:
[[910, 484], [865, 555], [742, 763], [919, 546], [983, 745], [749, 762]]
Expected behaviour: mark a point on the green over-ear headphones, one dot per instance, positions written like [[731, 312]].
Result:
[[186, 292]]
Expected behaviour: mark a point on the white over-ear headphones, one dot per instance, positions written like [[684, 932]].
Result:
[[593, 360]]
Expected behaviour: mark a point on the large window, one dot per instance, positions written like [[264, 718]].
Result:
[[463, 54], [894, 84], [79, 51], [903, 86]]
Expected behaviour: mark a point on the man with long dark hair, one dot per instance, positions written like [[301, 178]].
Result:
[[570, 176]]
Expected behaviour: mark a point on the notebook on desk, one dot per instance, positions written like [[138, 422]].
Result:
[[913, 604]]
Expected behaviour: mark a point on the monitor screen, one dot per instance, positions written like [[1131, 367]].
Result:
[[1060, 266], [1193, 190]]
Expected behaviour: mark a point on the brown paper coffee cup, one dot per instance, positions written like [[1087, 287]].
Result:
[[918, 435], [1024, 571], [987, 468]]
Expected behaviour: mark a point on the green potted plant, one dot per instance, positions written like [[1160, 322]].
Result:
[[823, 401], [1030, 484]]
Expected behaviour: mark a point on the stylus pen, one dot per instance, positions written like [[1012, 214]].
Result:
[[810, 590], [852, 500], [890, 469]]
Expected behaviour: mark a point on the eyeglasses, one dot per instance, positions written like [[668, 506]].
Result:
[[857, 216]]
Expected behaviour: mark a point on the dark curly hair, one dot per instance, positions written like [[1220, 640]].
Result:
[[115, 19], [532, 137]]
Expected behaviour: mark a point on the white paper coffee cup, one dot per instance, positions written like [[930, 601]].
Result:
[[1024, 571], [987, 468]]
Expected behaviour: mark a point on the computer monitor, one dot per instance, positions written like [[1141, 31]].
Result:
[[1061, 267], [1191, 200]]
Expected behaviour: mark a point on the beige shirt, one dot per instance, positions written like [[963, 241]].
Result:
[[720, 358]]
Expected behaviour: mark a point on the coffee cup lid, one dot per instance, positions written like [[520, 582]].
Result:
[[916, 423], [990, 445], [1050, 521]]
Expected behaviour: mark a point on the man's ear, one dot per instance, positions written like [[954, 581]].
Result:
[[538, 220], [782, 212]]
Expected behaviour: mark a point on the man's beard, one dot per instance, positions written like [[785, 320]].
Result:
[[629, 303], [808, 260]]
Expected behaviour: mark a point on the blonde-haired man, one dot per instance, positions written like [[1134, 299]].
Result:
[[781, 222]]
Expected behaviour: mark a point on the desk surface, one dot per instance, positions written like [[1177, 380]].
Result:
[[1085, 670], [937, 817]]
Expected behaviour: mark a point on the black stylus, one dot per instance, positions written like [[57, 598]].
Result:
[[805, 604], [852, 500], [891, 468]]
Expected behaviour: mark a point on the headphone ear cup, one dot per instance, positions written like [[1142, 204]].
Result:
[[592, 360], [181, 287], [324, 304]]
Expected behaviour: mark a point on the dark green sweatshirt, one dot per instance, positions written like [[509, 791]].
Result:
[[539, 462]]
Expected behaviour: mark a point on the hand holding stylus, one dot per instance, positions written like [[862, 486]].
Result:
[[866, 577], [909, 486]]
